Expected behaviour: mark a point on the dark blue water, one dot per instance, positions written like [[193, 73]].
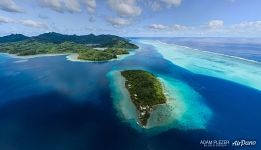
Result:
[[51, 103]]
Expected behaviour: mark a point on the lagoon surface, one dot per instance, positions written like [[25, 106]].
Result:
[[56, 104]]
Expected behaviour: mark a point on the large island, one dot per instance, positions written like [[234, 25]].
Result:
[[88, 47], [145, 91]]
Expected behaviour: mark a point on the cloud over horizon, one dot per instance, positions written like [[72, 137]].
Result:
[[126, 8], [10, 6], [118, 21], [34, 24], [5, 20], [27, 22], [61, 6], [215, 24], [132, 17]]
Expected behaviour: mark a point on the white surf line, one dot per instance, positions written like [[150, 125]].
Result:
[[237, 57]]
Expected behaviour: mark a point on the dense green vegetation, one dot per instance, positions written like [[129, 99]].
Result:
[[96, 55], [102, 55], [120, 43], [54, 43], [145, 90], [13, 38], [91, 39]]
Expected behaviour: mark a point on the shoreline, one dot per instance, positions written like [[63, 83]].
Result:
[[33, 56], [126, 110], [74, 57], [171, 103], [69, 56], [129, 97], [144, 110], [123, 102], [185, 108]]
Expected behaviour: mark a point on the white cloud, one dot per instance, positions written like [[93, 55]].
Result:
[[247, 26], [34, 24], [55, 5], [157, 27], [91, 5], [157, 5], [213, 28], [177, 27], [28, 23], [118, 21], [172, 2], [5, 20], [215, 24], [10, 6], [72, 5], [168, 28], [127, 8], [62, 5]]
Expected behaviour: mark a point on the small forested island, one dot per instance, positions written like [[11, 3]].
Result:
[[88, 47], [145, 91]]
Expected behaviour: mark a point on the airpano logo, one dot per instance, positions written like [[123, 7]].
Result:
[[214, 143], [227, 143], [243, 143]]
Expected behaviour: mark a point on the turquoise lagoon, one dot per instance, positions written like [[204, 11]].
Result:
[[239, 70]]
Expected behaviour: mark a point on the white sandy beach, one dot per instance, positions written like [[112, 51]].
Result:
[[32, 56]]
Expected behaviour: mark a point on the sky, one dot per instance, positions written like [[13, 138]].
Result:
[[133, 18]]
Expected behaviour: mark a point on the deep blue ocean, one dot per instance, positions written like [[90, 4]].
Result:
[[50, 103]]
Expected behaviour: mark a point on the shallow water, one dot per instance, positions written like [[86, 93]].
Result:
[[52, 103], [121, 98], [237, 70], [185, 108]]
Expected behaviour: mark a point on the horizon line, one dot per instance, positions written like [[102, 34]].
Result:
[[137, 36]]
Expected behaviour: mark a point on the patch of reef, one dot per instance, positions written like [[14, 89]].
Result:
[[88, 47], [145, 91]]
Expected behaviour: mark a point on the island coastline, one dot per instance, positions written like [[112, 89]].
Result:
[[69, 56], [90, 48], [74, 57], [145, 92], [184, 108]]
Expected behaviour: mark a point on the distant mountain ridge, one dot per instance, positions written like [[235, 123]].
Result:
[[13, 38], [57, 38]]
